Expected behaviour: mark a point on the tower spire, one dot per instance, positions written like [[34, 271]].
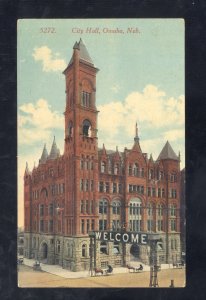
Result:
[[136, 138]]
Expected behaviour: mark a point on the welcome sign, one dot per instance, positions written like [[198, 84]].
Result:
[[124, 237]]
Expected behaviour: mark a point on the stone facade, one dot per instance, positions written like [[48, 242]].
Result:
[[90, 188]]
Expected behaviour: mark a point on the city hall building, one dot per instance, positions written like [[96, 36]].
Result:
[[89, 188]]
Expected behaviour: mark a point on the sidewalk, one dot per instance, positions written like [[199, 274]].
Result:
[[59, 271]]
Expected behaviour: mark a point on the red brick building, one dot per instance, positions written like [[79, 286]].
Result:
[[88, 188]]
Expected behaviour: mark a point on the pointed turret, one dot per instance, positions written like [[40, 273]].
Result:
[[136, 138], [27, 172], [168, 153], [104, 152], [54, 153], [44, 156]]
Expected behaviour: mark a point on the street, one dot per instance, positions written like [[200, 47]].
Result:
[[29, 278]]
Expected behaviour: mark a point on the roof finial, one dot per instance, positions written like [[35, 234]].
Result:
[[136, 138]]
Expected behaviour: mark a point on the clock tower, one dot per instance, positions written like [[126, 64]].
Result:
[[81, 144]]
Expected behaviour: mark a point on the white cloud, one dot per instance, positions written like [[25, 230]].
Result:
[[50, 63], [150, 107], [37, 121]]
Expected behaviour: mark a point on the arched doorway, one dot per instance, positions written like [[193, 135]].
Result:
[[44, 252], [135, 252]]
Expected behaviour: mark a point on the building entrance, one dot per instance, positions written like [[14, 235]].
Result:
[[44, 252], [135, 252]]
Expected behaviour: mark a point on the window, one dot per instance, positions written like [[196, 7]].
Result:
[[82, 226], [102, 224], [149, 225], [81, 184], [173, 224], [115, 225], [84, 250], [114, 187], [92, 225], [107, 187], [82, 164], [103, 167], [58, 247], [149, 191], [88, 223], [70, 250], [142, 190], [87, 185], [130, 170], [51, 209], [103, 248], [86, 99], [116, 248], [86, 128], [130, 188], [70, 129], [92, 185], [160, 210], [159, 192], [50, 225], [153, 192], [87, 206], [173, 177], [103, 206], [101, 186], [116, 208], [120, 188], [161, 175], [41, 210], [150, 210], [82, 206], [172, 210], [142, 172], [163, 193], [136, 169], [151, 173], [160, 225], [116, 169]]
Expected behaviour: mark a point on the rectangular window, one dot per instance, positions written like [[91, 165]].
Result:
[[82, 226], [87, 185], [86, 101], [82, 164], [130, 188], [92, 185], [149, 225], [159, 192], [50, 225], [41, 210], [81, 184], [102, 224], [160, 225], [88, 226], [153, 192], [120, 188], [92, 226], [173, 225], [82, 206], [163, 193], [53, 189], [101, 186], [114, 187], [107, 187], [87, 206], [142, 190], [41, 225], [149, 191]]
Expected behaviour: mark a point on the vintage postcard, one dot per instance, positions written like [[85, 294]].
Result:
[[101, 157]]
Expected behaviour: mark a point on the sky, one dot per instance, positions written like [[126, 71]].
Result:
[[140, 79]]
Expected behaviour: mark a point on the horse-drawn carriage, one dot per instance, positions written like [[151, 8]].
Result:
[[135, 269], [99, 271]]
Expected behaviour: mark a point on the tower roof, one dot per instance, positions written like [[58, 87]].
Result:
[[44, 155], [84, 54], [54, 153], [167, 153]]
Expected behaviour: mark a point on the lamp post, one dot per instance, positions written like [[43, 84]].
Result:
[[153, 240]]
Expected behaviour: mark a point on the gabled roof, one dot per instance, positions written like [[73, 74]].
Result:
[[167, 153]]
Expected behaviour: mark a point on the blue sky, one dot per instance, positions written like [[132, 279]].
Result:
[[141, 79]]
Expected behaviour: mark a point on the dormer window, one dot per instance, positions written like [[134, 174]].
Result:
[[86, 99], [103, 167]]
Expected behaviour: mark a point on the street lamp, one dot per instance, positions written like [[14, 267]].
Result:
[[153, 240]]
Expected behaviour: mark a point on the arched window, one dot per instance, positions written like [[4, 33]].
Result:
[[70, 129], [84, 250], [116, 169], [130, 170], [86, 128], [103, 167], [136, 169], [103, 206]]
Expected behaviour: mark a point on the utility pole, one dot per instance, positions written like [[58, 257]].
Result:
[[153, 240]]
